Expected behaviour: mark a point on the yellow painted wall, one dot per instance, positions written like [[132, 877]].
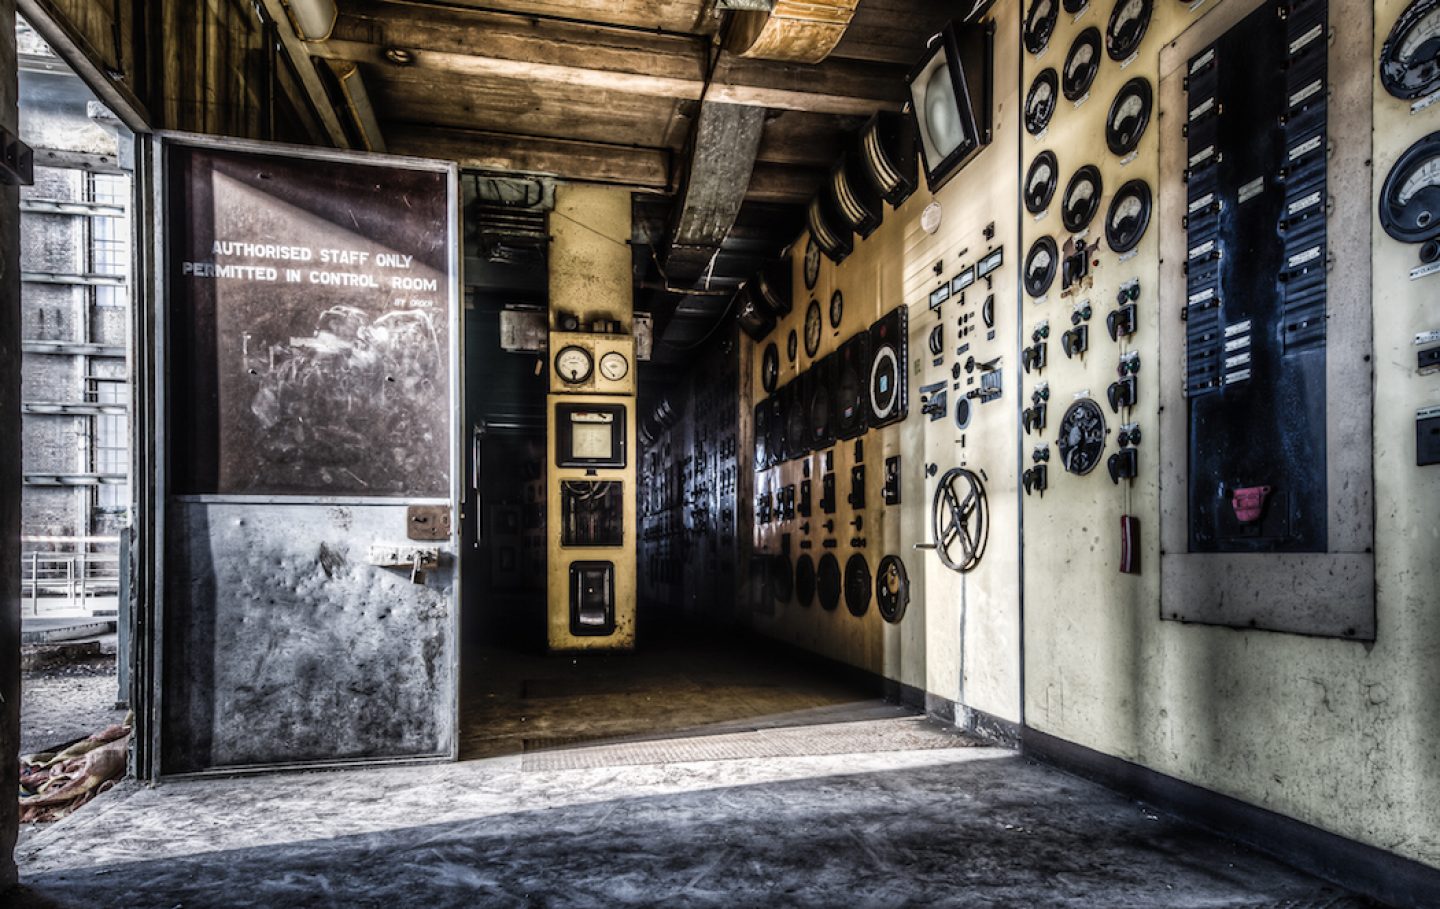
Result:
[[1341, 734]]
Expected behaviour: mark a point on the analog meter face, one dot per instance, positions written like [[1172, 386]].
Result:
[[615, 366], [1040, 182], [1040, 25], [1129, 115], [1082, 199], [1081, 64], [769, 368], [1040, 101], [837, 308], [1129, 216], [1410, 198], [1040, 265], [1128, 24], [813, 326], [1410, 56], [574, 364], [812, 263], [792, 345]]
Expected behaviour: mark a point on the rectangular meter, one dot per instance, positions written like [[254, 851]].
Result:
[[590, 435]]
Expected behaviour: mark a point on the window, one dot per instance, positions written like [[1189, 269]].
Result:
[[110, 446], [109, 252]]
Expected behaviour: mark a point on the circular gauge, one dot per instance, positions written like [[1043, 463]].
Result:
[[813, 326], [1081, 64], [884, 383], [812, 263], [764, 454], [1082, 199], [1040, 265], [769, 367], [792, 345], [837, 308], [574, 364], [962, 413], [1129, 216], [1040, 101], [1040, 24], [827, 581], [1082, 436], [857, 585], [1410, 198], [615, 366], [892, 589], [782, 581], [1410, 56], [805, 580], [1129, 116], [1128, 23], [1040, 182], [1075, 7]]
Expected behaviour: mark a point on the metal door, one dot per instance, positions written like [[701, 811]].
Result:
[[305, 348]]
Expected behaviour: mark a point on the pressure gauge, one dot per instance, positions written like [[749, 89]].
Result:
[[792, 345], [1081, 64], [616, 366], [1075, 7], [837, 308], [1040, 182], [1040, 265], [812, 263], [769, 368], [1129, 216], [1082, 199], [574, 364], [1410, 197], [1128, 23], [1410, 56], [1040, 24], [1129, 116], [813, 326], [1040, 101]]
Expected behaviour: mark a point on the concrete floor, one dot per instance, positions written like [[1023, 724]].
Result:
[[784, 787]]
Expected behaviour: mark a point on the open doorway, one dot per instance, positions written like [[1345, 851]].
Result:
[[696, 669], [76, 503]]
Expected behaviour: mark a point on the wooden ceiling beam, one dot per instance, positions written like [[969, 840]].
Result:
[[477, 44], [594, 162]]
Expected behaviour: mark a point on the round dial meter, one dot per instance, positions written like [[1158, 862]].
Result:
[[812, 263], [837, 308], [1040, 101], [1128, 117], [616, 366], [574, 364], [1040, 25], [813, 327], [1081, 65]]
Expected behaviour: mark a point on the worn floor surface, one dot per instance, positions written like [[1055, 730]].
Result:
[[921, 816]]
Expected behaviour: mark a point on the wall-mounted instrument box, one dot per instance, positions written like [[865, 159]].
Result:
[[591, 435], [582, 363]]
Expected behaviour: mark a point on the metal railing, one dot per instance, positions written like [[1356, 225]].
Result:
[[68, 580]]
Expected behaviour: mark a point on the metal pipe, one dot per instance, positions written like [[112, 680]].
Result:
[[314, 20]]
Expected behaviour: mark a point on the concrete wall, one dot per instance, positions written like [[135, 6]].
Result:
[[9, 467], [1340, 734]]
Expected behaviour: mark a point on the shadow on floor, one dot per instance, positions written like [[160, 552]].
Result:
[[985, 833]]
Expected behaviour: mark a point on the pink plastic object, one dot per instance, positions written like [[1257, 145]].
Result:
[[1248, 503]]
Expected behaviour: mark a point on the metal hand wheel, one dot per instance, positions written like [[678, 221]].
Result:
[[959, 520]]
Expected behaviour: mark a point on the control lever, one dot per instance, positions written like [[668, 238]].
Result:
[[1033, 358], [1123, 465], [1122, 393], [1121, 322], [859, 522], [1033, 418], [829, 525], [984, 393], [1076, 340], [1036, 479]]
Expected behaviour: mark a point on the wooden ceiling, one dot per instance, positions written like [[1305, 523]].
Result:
[[611, 90]]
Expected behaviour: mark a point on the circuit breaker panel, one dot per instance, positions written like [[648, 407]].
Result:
[[1255, 270]]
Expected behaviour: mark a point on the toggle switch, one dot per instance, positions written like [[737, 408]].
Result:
[[1076, 341], [1123, 465], [1036, 479], [1123, 393], [1033, 418], [1121, 322]]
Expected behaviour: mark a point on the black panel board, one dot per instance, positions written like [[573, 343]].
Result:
[[1255, 234]]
